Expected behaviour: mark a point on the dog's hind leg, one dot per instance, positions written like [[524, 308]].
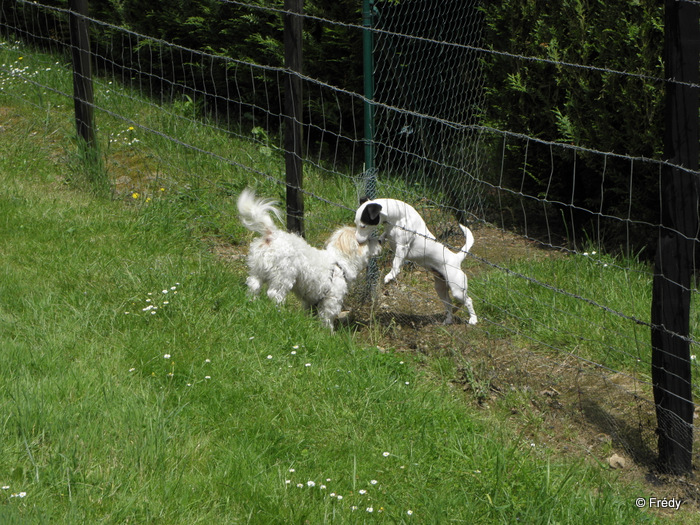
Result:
[[443, 292], [254, 285], [459, 291], [278, 288], [470, 308]]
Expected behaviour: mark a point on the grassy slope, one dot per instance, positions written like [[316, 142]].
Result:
[[99, 426]]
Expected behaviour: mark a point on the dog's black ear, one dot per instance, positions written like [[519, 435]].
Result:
[[363, 199], [371, 214]]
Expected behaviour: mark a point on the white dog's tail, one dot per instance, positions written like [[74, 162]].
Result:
[[468, 244], [256, 213]]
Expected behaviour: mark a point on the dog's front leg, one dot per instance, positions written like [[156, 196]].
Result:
[[399, 257]]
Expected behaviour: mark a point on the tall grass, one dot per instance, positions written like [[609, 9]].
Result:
[[552, 299], [140, 385]]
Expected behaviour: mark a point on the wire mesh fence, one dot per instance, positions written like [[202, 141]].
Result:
[[564, 222]]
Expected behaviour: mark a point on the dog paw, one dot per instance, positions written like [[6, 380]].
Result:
[[472, 320], [388, 278]]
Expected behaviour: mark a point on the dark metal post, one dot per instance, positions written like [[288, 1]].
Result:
[[670, 311], [82, 71], [293, 24]]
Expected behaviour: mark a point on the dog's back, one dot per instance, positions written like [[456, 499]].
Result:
[[405, 221]]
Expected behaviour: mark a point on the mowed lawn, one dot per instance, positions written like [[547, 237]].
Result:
[[141, 385]]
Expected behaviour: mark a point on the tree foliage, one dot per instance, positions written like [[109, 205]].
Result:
[[575, 72]]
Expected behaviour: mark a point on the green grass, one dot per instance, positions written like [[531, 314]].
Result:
[[212, 408], [590, 317]]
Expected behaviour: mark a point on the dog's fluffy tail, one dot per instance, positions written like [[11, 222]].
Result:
[[469, 242], [256, 213]]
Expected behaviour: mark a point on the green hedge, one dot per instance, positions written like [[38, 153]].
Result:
[[592, 108]]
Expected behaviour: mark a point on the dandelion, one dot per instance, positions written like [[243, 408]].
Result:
[[131, 128], [135, 195]]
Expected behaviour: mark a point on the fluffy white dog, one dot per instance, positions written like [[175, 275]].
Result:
[[285, 262], [411, 240]]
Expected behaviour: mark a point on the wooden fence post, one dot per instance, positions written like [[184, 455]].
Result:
[[293, 130], [670, 310], [82, 71]]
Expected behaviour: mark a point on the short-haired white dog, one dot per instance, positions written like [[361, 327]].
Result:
[[285, 262], [411, 240]]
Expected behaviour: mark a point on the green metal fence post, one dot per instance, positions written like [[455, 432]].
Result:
[[370, 174]]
